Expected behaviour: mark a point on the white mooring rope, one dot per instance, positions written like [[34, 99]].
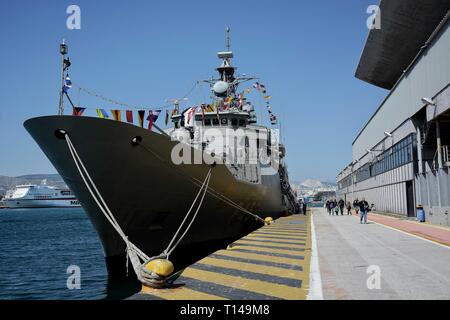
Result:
[[137, 257]]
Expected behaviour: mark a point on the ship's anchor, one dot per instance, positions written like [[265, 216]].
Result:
[[151, 271]]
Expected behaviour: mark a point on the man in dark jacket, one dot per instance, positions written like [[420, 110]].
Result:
[[363, 209], [341, 206]]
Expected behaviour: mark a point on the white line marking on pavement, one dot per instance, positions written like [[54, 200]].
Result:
[[315, 281], [412, 235]]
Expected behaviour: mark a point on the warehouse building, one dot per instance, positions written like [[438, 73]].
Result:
[[401, 157]]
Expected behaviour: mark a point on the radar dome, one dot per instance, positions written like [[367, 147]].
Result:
[[220, 87]]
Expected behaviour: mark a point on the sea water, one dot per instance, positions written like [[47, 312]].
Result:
[[40, 248]]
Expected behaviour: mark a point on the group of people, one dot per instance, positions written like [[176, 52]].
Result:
[[361, 207]]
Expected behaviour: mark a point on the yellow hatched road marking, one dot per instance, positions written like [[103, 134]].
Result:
[[271, 244], [285, 226], [260, 257], [181, 293], [255, 237], [278, 236], [283, 230], [286, 233], [267, 250], [244, 266], [257, 286]]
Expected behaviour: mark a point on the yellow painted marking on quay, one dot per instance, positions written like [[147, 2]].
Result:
[[283, 233], [267, 236], [281, 272], [271, 244], [285, 227], [268, 250], [251, 238], [181, 293], [257, 286], [250, 275], [260, 257]]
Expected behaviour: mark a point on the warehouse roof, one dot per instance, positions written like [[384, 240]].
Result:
[[405, 27]]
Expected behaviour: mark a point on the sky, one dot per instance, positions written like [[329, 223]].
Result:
[[145, 52]]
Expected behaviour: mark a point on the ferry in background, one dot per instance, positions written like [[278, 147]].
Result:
[[39, 196]]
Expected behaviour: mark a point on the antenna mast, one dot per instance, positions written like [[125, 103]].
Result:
[[228, 38]]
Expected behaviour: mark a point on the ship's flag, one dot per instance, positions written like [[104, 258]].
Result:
[[67, 84], [189, 117], [102, 113], [150, 120], [116, 115], [256, 86], [78, 111], [141, 115], [209, 108], [248, 90], [166, 121], [154, 115], [267, 97], [273, 119], [203, 107], [129, 115]]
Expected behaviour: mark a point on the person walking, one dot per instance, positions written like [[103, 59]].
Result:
[[349, 208], [363, 209], [336, 207], [356, 206], [304, 207], [328, 206], [341, 206]]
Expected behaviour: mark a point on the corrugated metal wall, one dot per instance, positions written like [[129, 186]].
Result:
[[433, 192], [430, 75], [386, 191]]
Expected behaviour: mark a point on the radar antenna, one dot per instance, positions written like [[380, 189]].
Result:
[[176, 102]]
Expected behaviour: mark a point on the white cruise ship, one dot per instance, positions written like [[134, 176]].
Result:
[[39, 196]]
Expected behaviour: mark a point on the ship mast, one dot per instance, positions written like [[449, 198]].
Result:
[[228, 39], [63, 49]]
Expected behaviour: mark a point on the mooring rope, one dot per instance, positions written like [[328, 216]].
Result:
[[138, 258]]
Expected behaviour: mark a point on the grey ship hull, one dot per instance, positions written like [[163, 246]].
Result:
[[147, 193]]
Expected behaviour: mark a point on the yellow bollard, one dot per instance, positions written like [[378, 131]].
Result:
[[161, 267], [268, 220]]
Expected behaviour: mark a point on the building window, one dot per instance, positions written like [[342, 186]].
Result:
[[398, 155]]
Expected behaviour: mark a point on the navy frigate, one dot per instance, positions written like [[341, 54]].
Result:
[[149, 178]]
